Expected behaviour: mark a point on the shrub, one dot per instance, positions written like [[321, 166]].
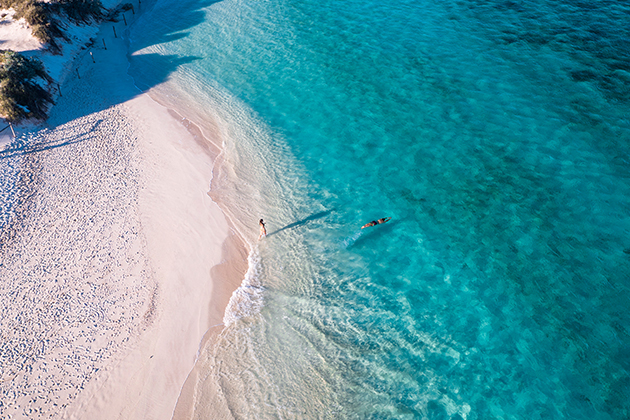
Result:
[[20, 94], [82, 11], [43, 16]]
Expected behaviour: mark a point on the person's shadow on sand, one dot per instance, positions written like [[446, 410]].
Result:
[[303, 221]]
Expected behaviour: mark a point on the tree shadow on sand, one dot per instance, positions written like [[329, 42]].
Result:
[[26, 149], [86, 101]]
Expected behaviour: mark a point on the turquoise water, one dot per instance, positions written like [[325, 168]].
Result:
[[494, 133]]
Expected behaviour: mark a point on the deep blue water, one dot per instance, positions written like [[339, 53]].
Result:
[[494, 133]]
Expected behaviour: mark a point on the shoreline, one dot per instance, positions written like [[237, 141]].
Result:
[[183, 261]]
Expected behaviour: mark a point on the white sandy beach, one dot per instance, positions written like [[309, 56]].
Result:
[[120, 261]]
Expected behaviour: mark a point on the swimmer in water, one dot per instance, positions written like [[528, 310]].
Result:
[[376, 222]]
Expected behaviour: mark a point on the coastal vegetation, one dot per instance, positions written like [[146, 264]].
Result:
[[46, 17], [21, 96]]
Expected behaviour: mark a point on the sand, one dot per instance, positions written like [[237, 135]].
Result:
[[118, 262], [15, 34]]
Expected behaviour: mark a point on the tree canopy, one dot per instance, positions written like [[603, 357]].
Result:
[[44, 16], [21, 96]]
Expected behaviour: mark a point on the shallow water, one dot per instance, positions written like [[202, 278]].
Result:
[[495, 134]]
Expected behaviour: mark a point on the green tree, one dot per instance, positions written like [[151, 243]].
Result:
[[46, 18], [21, 96]]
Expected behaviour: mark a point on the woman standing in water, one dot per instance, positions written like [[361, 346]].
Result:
[[263, 230]]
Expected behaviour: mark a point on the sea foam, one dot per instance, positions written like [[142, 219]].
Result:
[[248, 299]]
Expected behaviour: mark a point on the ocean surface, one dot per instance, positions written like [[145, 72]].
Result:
[[495, 134]]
